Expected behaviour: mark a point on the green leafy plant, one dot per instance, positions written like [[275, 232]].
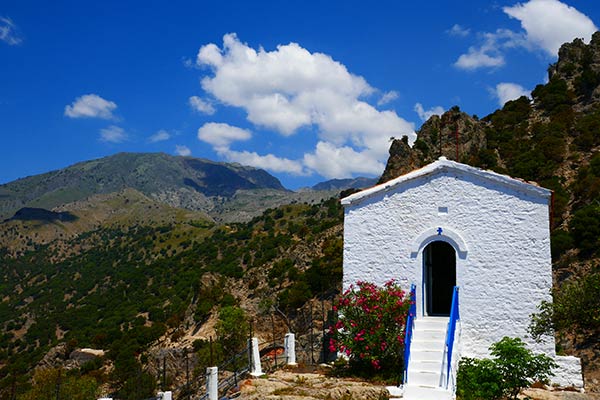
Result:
[[512, 368], [371, 328], [576, 306]]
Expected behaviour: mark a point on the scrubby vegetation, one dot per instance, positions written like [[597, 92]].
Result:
[[126, 287], [512, 368]]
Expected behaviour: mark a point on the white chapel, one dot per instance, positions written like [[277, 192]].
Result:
[[450, 225]]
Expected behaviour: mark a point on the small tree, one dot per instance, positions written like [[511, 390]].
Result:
[[232, 329], [371, 328], [513, 368]]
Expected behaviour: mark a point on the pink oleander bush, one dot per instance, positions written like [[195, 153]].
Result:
[[371, 327]]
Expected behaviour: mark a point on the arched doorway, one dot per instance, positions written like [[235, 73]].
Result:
[[439, 277]]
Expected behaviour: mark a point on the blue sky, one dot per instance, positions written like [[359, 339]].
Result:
[[308, 90]]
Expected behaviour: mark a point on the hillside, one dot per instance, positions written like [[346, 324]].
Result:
[[123, 286]]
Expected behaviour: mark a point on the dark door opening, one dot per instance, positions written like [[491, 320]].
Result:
[[439, 261]]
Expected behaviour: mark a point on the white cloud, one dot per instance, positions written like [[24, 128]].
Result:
[[221, 135], [113, 134], [458, 30], [426, 114], [201, 106], [9, 32], [387, 97], [507, 91], [477, 58], [160, 136], [490, 53], [342, 162], [181, 150], [90, 106], [550, 23], [290, 89], [269, 161]]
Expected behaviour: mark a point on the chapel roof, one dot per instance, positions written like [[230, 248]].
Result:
[[443, 165]]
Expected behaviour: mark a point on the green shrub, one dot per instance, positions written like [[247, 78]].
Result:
[[478, 379], [576, 306], [512, 368], [560, 241], [585, 228]]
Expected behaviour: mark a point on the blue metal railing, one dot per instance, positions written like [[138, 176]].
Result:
[[454, 316], [410, 323]]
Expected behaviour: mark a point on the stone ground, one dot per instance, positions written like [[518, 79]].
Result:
[[292, 385]]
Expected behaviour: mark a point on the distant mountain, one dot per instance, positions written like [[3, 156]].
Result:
[[178, 181], [341, 184]]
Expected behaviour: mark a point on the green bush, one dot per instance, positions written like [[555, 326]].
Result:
[[585, 228], [560, 241], [512, 368], [478, 379], [576, 306]]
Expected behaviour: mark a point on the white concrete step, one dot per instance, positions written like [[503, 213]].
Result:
[[427, 345], [425, 355], [424, 392], [432, 323], [428, 378], [426, 365], [429, 334]]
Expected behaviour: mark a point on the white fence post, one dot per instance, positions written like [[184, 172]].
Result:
[[212, 383], [165, 395], [255, 367], [289, 345]]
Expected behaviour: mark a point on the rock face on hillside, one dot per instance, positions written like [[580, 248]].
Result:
[[579, 65], [452, 133]]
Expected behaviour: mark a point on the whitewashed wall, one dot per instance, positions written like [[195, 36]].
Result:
[[500, 232]]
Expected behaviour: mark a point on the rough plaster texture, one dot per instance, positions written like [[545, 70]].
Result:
[[568, 372], [498, 226]]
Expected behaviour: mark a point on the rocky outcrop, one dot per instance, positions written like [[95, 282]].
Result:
[[454, 135], [579, 65]]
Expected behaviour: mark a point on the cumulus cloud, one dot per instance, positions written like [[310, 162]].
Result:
[[9, 33], [221, 135], [291, 89], [387, 97], [546, 25], [426, 114], [160, 136], [550, 23], [201, 106], [90, 106], [477, 58], [507, 91], [490, 53], [458, 30], [342, 162], [269, 161], [181, 150], [113, 134]]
